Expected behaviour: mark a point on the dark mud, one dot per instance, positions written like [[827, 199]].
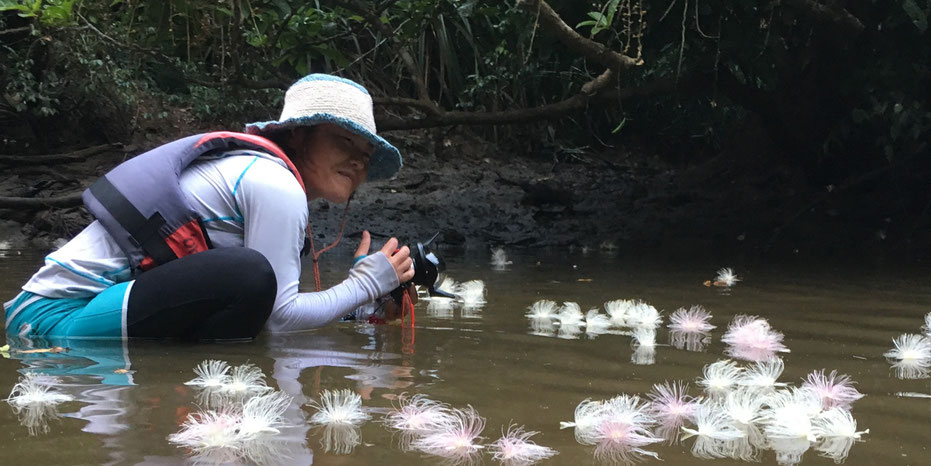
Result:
[[478, 196]]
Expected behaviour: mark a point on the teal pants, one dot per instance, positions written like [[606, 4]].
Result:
[[102, 316]]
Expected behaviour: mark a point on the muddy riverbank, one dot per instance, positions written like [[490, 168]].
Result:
[[477, 196]]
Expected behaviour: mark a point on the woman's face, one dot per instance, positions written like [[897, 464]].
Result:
[[333, 161]]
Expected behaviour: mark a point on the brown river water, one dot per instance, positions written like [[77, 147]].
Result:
[[834, 318]]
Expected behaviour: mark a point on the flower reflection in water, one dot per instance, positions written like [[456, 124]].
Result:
[[696, 342], [340, 439], [36, 417]]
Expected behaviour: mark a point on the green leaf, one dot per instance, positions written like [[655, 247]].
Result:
[[25, 11], [283, 7], [620, 126], [612, 9]]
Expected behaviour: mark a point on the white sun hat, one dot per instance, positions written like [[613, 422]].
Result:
[[324, 98]]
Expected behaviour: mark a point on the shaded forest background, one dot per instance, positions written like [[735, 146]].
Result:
[[787, 122]]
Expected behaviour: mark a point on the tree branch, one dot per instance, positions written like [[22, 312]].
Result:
[[15, 30], [70, 200], [595, 92], [588, 48], [68, 157]]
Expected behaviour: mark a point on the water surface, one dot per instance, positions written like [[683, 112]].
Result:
[[832, 317]]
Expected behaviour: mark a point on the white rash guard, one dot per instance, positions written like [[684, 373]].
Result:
[[245, 198]]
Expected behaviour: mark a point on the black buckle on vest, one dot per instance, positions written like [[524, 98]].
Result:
[[143, 232]]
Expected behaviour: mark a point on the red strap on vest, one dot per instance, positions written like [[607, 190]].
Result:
[[258, 141]]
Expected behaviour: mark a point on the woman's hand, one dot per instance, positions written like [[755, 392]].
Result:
[[400, 258]]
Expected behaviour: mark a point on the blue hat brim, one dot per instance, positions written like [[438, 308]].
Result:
[[386, 159]]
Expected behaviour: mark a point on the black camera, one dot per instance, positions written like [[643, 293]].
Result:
[[427, 268]]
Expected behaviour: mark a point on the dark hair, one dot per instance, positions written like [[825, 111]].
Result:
[[282, 139]]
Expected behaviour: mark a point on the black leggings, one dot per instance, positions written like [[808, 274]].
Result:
[[218, 294]]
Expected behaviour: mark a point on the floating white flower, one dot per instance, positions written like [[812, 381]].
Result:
[[35, 389], [643, 315], [762, 375], [499, 259], [720, 377], [338, 407], [236, 430], [693, 320], [790, 414], [419, 414], [838, 430], [542, 309], [713, 428], [458, 441], [726, 277], [472, 293], [448, 285], [206, 431], [837, 422], [570, 314], [630, 409], [745, 408], [244, 381], [596, 323], [618, 310], [263, 414], [210, 374], [912, 354], [587, 416], [834, 390], [515, 447], [809, 400]]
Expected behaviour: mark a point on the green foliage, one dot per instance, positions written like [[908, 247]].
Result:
[[26, 93], [918, 16], [53, 13], [600, 20], [822, 92]]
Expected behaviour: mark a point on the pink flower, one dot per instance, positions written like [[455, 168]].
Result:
[[457, 441], [834, 390], [515, 447], [751, 338], [419, 414], [671, 403], [693, 320], [621, 441], [671, 406]]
